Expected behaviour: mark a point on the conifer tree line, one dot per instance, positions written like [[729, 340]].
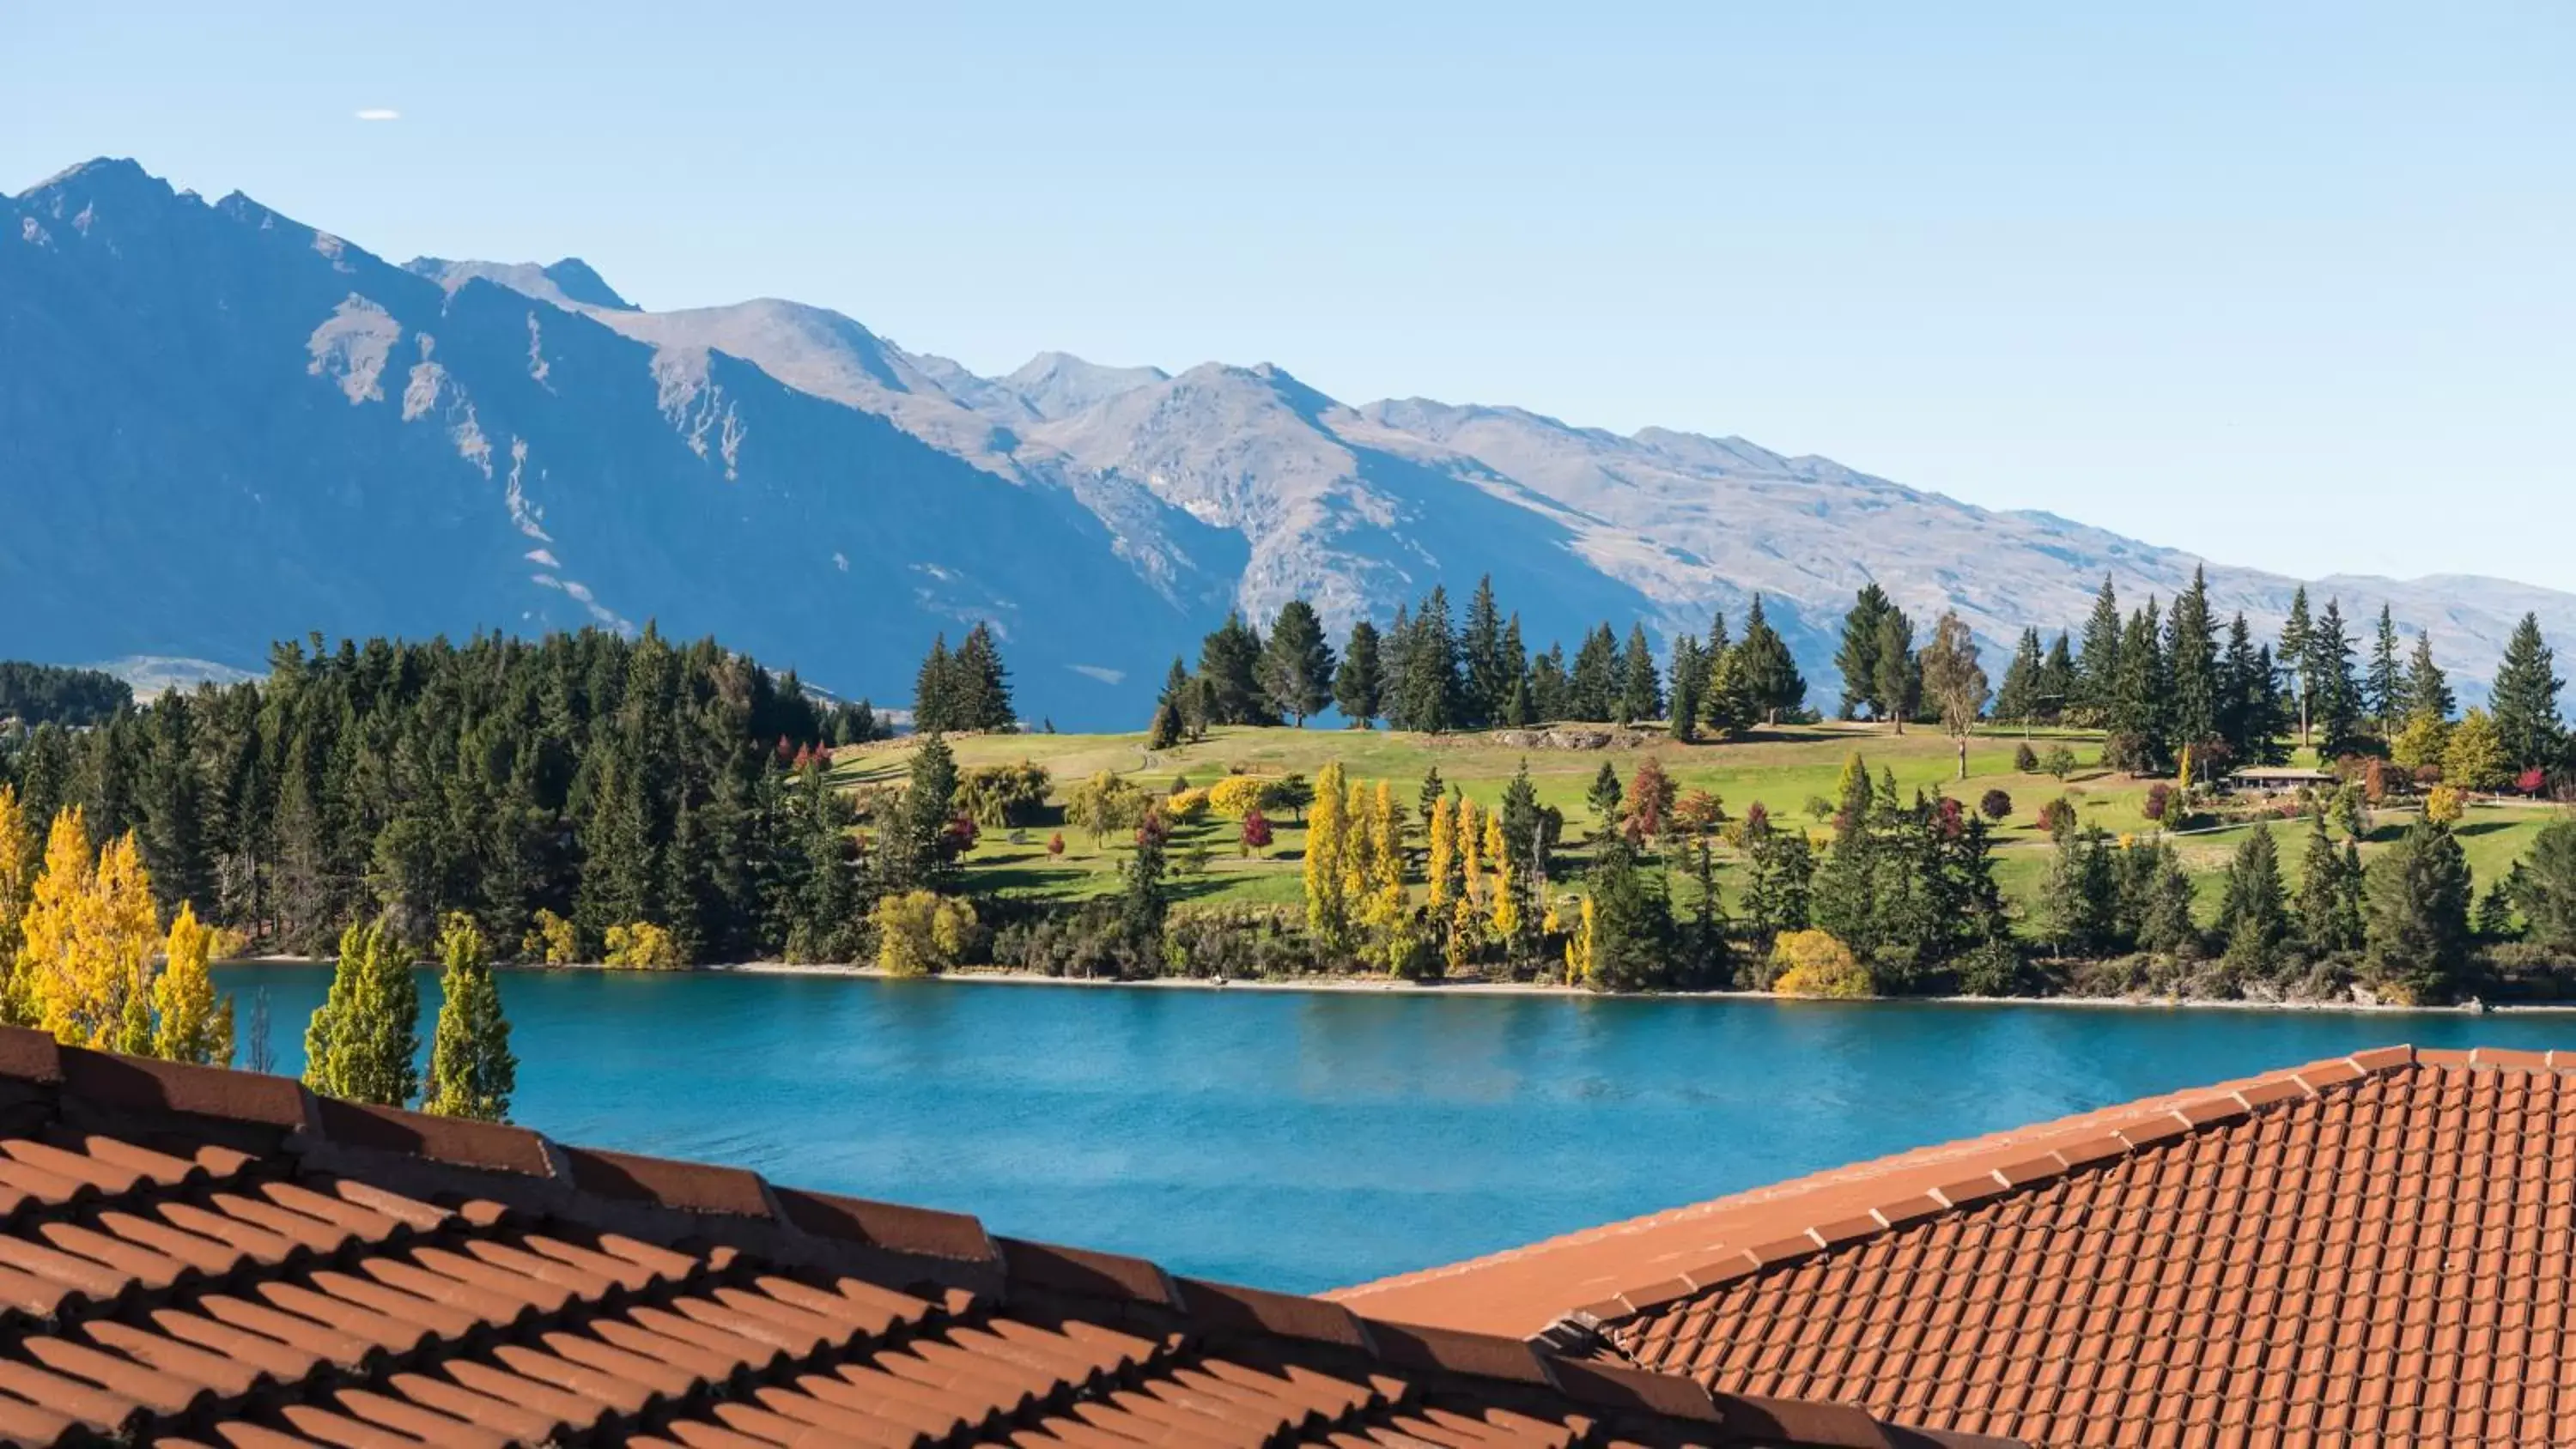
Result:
[[38, 694], [968, 690], [1432, 670], [549, 790]]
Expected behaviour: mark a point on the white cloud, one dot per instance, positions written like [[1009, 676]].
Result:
[[379, 113]]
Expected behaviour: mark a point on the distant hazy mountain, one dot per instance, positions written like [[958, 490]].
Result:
[[219, 427]]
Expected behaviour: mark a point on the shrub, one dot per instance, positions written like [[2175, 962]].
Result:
[[643, 946], [2025, 759], [2059, 762], [1236, 795], [1813, 964], [999, 796], [1994, 805], [551, 939], [1055, 845], [1997, 968], [2443, 805], [2159, 800], [2057, 816], [1185, 806], [1819, 808], [919, 932]]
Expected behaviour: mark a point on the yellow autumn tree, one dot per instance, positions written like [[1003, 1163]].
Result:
[[89, 937], [1507, 911], [1327, 911], [17, 877], [193, 1025], [1578, 947], [1444, 853], [1357, 851]]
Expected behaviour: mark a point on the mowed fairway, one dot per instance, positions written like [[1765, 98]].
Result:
[[1786, 769]]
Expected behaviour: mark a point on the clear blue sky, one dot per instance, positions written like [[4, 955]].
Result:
[[2289, 285]]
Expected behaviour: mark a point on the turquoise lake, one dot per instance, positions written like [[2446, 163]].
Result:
[[1305, 1140]]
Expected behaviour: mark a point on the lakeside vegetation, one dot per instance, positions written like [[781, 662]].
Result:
[[1615, 819]]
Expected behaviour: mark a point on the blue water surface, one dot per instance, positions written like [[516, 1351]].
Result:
[[1306, 1140]]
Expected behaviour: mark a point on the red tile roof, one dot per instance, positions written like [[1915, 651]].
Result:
[[194, 1257], [2375, 1249]]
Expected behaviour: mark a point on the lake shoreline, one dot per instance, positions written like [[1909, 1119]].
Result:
[[1374, 985]]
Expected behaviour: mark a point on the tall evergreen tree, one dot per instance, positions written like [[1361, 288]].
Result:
[[1485, 687], [1230, 674], [2383, 683], [1857, 658], [1770, 674], [981, 688], [2294, 656], [2191, 659], [1426, 695], [2137, 720], [1641, 685], [1297, 665], [2329, 897], [2524, 698], [2097, 669], [934, 690], [2415, 930], [1896, 681], [2334, 696], [2253, 915], [2428, 689], [2056, 681], [364, 1040], [1551, 687], [1689, 681], [2017, 698], [1593, 689], [1356, 682]]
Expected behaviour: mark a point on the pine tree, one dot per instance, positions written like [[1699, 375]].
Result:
[[2416, 935], [2293, 655], [2017, 698], [2244, 695], [2383, 684], [173, 833], [1516, 708], [1593, 689], [2252, 914], [1770, 674], [2137, 719], [1230, 672], [980, 688], [913, 855], [934, 690], [2056, 681], [1641, 685], [2335, 703], [2329, 902], [1297, 665], [1142, 901], [1689, 680], [1427, 694], [2192, 662], [472, 1073], [1896, 687], [1551, 687], [2097, 669], [2524, 698], [2427, 690], [1604, 797], [1857, 659], [1356, 682], [1486, 687]]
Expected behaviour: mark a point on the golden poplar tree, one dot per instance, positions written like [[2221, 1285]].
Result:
[[1498, 859], [50, 931], [1444, 852], [193, 1025], [1471, 851], [1327, 910], [17, 878], [110, 1003], [1358, 850]]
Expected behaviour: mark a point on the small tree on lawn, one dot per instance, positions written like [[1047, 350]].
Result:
[[1256, 831]]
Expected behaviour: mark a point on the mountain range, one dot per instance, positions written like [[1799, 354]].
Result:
[[220, 426]]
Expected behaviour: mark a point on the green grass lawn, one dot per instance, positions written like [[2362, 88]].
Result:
[[1783, 769]]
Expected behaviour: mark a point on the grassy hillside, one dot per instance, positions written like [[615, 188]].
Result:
[[1785, 769]]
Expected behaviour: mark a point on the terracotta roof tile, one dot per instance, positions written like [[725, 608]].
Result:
[[2375, 1249], [195, 1257]]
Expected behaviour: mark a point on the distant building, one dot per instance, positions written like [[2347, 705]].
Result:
[[2279, 780]]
